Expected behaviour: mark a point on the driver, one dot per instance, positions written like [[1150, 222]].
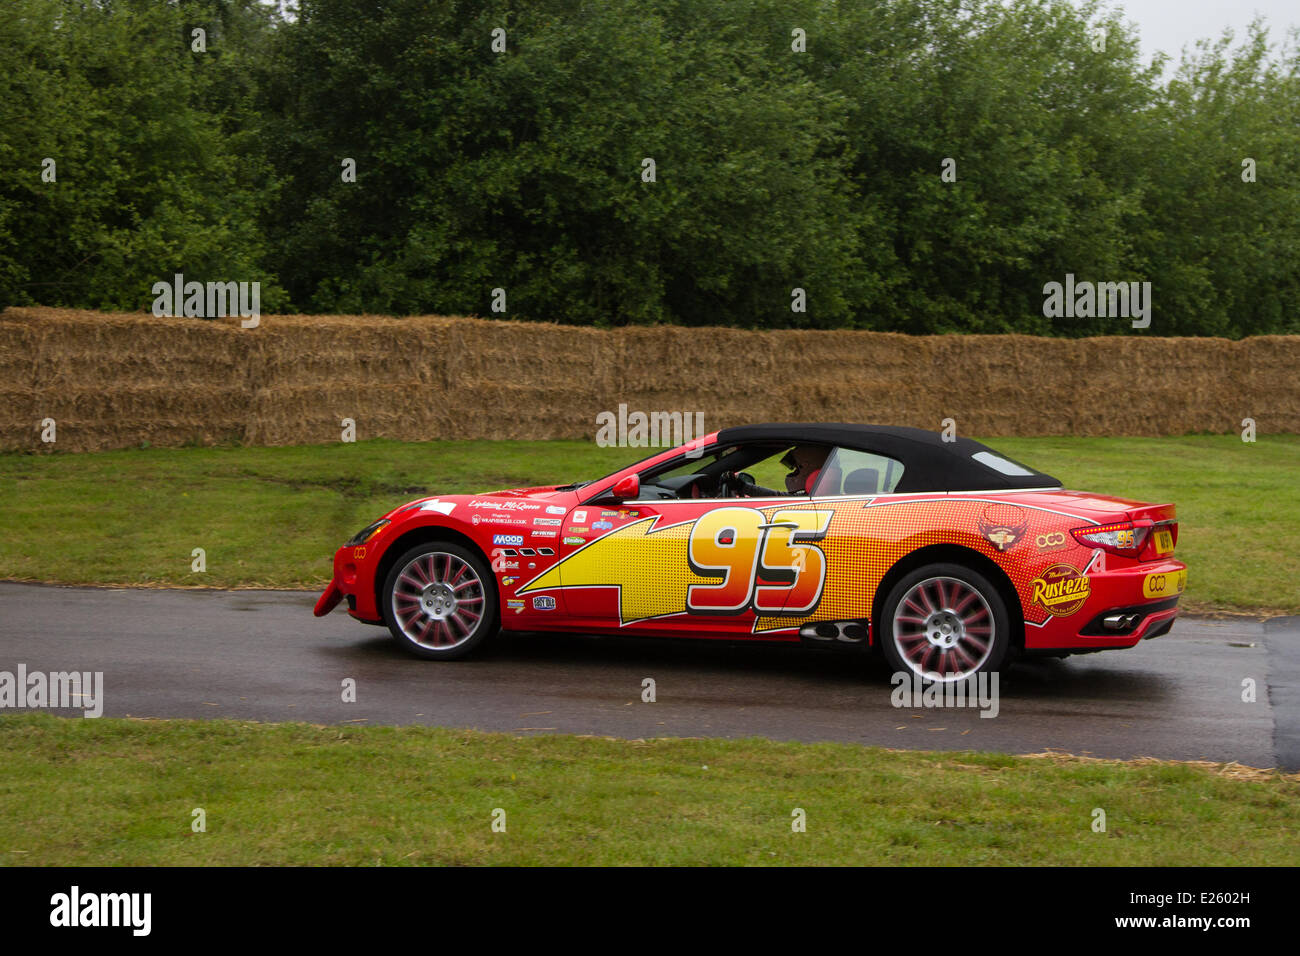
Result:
[[805, 463]]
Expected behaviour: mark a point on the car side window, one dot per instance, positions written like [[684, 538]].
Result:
[[675, 479], [851, 472], [689, 466], [759, 464]]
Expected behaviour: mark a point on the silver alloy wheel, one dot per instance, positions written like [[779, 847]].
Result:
[[437, 600], [944, 629]]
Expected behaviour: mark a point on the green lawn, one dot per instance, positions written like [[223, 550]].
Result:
[[103, 792], [273, 516]]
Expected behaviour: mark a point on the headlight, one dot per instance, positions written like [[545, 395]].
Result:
[[366, 533]]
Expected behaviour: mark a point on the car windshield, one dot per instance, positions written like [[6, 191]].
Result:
[[575, 486]]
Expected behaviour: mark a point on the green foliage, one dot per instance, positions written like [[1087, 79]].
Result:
[[148, 183], [774, 169], [1227, 252], [523, 170]]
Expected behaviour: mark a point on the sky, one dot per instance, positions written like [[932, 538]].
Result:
[[1166, 25], [1169, 25]]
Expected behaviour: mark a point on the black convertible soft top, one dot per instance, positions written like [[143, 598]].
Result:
[[929, 462]]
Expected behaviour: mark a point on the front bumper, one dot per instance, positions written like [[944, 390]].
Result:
[[354, 579]]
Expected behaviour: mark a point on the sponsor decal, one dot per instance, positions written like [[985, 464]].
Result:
[[548, 522], [505, 519], [509, 581], [609, 514], [1003, 525], [554, 510], [499, 562], [358, 553], [575, 540], [580, 516], [507, 539], [1051, 541], [516, 606], [475, 518], [580, 529], [1164, 584], [624, 513], [602, 525], [546, 534], [544, 603], [1061, 590]]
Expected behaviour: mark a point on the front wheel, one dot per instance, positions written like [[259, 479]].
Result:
[[439, 601], [944, 623]]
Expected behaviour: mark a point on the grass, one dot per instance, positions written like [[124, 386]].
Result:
[[273, 517], [106, 792]]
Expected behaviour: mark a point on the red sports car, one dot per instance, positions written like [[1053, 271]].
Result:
[[944, 555]]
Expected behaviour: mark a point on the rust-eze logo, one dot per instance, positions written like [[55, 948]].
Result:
[[1061, 590]]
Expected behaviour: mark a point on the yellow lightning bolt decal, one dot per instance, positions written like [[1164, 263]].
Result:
[[652, 582]]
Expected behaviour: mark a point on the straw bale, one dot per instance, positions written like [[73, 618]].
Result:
[[118, 379]]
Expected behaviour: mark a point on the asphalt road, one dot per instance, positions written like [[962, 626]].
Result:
[[260, 655]]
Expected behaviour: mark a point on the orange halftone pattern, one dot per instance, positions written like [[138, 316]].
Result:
[[868, 537], [864, 539]]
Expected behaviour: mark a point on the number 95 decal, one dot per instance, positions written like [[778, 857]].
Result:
[[770, 567]]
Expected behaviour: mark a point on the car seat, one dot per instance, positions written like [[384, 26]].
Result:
[[862, 481]]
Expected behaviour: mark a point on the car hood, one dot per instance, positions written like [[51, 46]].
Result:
[[449, 503]]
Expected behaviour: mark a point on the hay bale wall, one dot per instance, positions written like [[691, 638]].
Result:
[[116, 380]]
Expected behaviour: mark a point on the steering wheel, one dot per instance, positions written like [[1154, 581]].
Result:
[[732, 485]]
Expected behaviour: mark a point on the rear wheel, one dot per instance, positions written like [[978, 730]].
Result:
[[945, 623], [439, 602]]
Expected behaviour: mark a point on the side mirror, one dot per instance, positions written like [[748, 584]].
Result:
[[626, 488]]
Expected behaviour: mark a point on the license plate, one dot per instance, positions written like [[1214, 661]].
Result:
[[1164, 541], [1164, 584]]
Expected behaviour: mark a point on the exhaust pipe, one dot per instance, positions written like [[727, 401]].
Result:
[[1120, 622], [853, 633]]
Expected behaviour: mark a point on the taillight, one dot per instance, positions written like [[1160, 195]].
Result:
[[1123, 537]]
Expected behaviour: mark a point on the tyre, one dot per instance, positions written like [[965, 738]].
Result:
[[944, 623], [439, 601]]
